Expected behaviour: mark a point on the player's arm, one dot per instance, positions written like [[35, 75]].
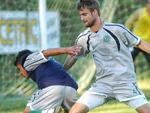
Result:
[[72, 51], [144, 46], [70, 61], [133, 19]]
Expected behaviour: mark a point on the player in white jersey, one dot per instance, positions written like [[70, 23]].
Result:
[[108, 44]]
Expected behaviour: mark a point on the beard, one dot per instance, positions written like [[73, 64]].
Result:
[[90, 24]]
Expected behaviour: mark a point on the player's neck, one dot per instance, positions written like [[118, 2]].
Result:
[[97, 25]]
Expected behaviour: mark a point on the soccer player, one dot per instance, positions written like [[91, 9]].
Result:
[[139, 21], [108, 43], [56, 87]]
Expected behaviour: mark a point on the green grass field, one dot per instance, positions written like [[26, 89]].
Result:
[[114, 107], [17, 105]]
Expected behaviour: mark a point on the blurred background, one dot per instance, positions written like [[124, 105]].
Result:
[[41, 24]]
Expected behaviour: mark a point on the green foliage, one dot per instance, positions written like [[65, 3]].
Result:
[[19, 5], [125, 8]]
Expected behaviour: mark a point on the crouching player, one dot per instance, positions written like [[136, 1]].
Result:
[[55, 85]]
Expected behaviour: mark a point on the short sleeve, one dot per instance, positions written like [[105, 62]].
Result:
[[34, 60], [82, 42], [129, 38]]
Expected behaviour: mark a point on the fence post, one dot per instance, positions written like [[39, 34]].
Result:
[[43, 21]]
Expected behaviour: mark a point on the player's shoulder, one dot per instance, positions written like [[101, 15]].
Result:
[[116, 26], [31, 56], [34, 60], [84, 33], [109, 24], [138, 12]]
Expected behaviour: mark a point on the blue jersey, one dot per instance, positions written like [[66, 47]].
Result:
[[47, 72]]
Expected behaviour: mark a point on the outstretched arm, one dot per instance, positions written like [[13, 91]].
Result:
[[144, 46], [70, 61], [72, 51]]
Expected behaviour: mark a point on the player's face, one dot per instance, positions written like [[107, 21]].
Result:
[[22, 71], [87, 17]]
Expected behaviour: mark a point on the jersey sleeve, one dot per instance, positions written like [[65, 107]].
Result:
[[129, 38], [82, 42], [34, 60]]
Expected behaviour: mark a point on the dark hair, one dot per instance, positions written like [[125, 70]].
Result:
[[90, 4], [20, 58]]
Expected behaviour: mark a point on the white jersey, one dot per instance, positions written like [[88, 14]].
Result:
[[109, 48]]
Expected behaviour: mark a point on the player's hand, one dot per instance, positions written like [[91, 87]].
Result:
[[74, 50]]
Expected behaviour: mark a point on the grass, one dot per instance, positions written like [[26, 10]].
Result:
[[17, 105], [12, 105], [114, 107]]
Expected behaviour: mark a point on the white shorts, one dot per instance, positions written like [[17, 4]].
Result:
[[52, 97], [97, 96]]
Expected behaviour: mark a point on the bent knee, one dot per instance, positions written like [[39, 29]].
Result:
[[27, 109], [144, 108], [79, 108]]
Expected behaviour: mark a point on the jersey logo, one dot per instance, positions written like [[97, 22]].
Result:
[[134, 91], [93, 47], [106, 38]]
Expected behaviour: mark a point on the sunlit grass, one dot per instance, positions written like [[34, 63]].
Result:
[[116, 107]]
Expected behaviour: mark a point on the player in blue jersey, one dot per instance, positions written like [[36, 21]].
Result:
[[56, 87], [108, 43]]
